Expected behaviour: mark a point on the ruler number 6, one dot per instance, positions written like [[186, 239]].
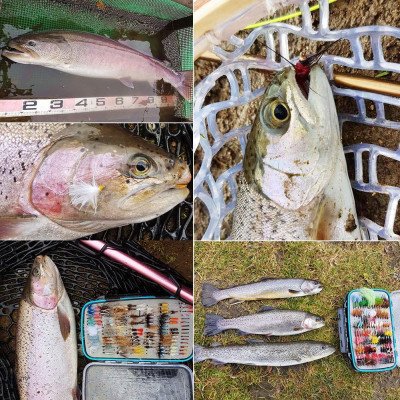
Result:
[[29, 105]]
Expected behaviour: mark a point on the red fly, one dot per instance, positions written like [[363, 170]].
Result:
[[303, 67]]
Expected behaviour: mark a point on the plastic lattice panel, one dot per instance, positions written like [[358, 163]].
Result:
[[209, 191], [86, 276]]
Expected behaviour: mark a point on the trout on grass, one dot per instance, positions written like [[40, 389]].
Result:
[[63, 182], [264, 289], [46, 347], [94, 56], [265, 354], [295, 184], [268, 321]]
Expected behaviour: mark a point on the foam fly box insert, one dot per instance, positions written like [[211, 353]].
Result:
[[122, 381], [369, 329], [137, 343]]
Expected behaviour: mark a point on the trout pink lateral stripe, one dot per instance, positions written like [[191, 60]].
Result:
[[143, 269]]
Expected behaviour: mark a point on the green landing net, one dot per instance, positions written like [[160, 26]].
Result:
[[131, 19]]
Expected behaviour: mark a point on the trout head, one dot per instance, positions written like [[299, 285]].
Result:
[[44, 287], [312, 321], [48, 49], [316, 350], [311, 287], [103, 176], [291, 149]]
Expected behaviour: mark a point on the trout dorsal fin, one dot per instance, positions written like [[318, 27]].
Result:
[[265, 309]]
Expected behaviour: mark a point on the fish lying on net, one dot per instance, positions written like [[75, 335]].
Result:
[[295, 184], [67, 181]]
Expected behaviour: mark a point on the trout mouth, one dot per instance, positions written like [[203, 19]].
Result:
[[17, 52]]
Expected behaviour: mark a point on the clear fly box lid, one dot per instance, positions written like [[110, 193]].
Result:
[[367, 329], [135, 329], [123, 381]]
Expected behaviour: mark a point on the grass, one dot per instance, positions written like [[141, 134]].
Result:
[[340, 267]]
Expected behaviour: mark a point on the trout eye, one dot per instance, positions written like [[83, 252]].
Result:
[[36, 272], [32, 43], [139, 166], [276, 114]]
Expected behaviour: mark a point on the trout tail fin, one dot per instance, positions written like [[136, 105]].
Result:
[[199, 353], [208, 295], [185, 87], [212, 326]]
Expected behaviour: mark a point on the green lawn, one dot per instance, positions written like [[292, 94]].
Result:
[[340, 267]]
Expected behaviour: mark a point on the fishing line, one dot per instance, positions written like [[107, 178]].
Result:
[[280, 55]]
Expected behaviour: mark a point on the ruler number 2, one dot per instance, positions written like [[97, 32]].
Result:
[[29, 105]]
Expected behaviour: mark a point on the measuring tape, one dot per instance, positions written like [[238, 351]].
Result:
[[21, 107]]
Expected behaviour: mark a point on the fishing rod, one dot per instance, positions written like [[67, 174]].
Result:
[[148, 272]]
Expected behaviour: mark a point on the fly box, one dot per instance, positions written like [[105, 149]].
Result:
[[136, 344], [369, 329]]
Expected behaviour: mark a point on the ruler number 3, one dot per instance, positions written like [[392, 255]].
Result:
[[54, 104]]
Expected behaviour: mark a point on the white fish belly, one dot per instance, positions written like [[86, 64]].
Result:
[[258, 218], [46, 363]]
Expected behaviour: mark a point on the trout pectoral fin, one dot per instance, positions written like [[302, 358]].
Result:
[[127, 82], [215, 362], [65, 325], [294, 291], [76, 393], [16, 226]]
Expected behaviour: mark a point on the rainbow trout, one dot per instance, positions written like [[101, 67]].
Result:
[[265, 354], [46, 347], [295, 184], [94, 56], [268, 321], [66, 181], [264, 289]]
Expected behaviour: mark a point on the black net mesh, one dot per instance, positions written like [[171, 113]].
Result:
[[177, 224], [86, 276]]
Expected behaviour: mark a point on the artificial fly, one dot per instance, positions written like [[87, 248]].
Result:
[[84, 194], [303, 66]]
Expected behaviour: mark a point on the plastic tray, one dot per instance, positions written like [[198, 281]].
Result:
[[137, 329]]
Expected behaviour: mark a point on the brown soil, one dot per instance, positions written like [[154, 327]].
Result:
[[343, 14], [178, 254]]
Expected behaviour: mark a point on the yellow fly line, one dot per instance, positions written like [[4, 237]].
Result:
[[284, 17]]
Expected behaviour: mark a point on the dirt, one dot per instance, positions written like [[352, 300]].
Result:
[[178, 254], [343, 15]]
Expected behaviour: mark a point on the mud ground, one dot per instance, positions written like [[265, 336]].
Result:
[[178, 254], [343, 14]]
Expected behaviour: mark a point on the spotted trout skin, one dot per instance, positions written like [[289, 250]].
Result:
[[265, 354], [268, 288], [269, 322], [46, 345], [61, 182], [94, 56], [294, 184]]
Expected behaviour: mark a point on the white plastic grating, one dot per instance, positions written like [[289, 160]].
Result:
[[210, 191]]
